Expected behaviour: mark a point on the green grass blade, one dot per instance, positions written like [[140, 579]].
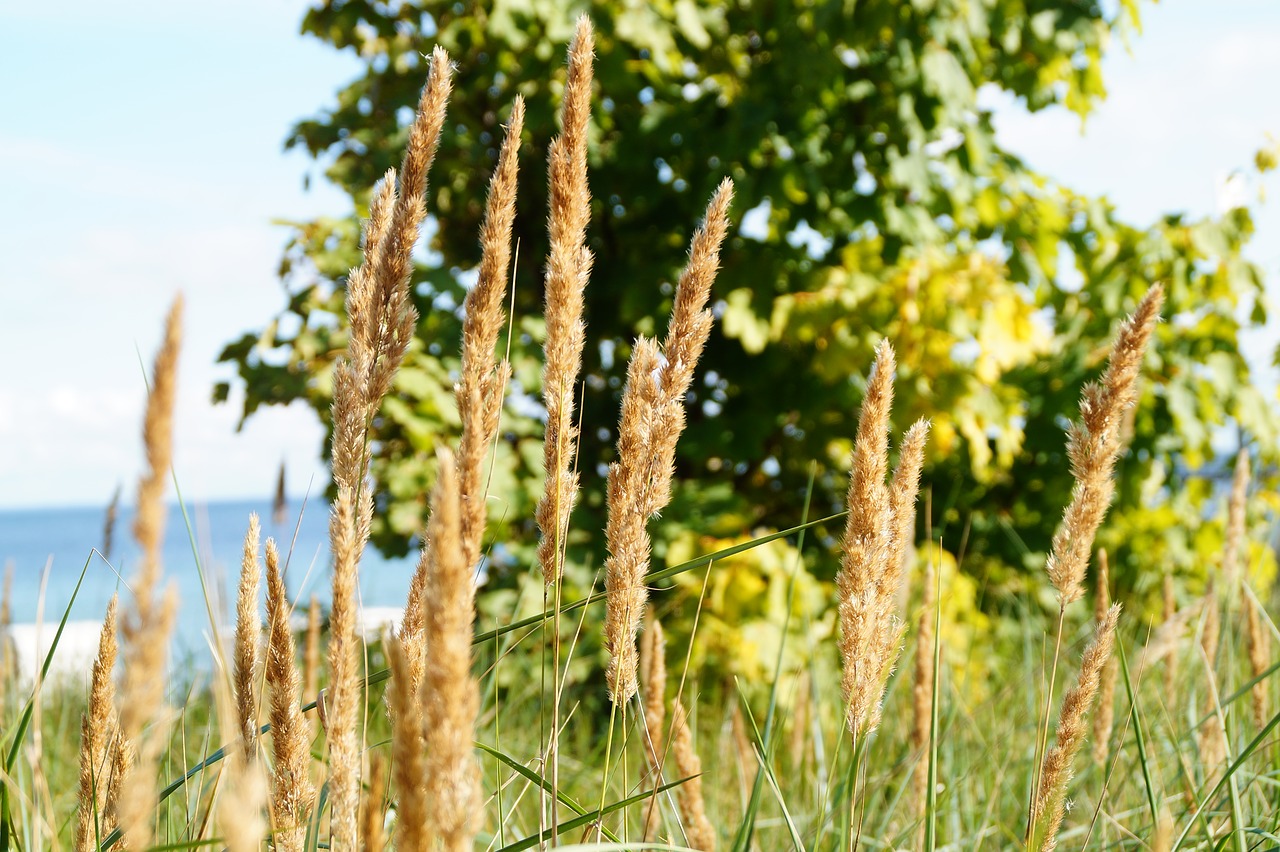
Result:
[[742, 838], [20, 732], [588, 818], [533, 777], [1139, 736], [652, 576], [1248, 750]]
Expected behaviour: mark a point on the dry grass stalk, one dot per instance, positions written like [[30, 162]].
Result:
[[407, 753], [1211, 737], [698, 830], [870, 575], [311, 651], [922, 693], [138, 764], [748, 766], [1055, 773], [109, 523], [1105, 718], [1163, 840], [146, 630], [248, 635], [372, 808], [1259, 660], [801, 719], [98, 731], [1235, 532], [450, 696], [1093, 445], [6, 664], [653, 650], [382, 320], [292, 792], [568, 269], [652, 420], [1169, 611], [280, 506], [483, 378], [243, 792]]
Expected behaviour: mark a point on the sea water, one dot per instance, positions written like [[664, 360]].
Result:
[[49, 549]]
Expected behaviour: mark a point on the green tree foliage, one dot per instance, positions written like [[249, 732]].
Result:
[[883, 206]]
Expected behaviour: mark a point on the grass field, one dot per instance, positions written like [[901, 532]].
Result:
[[880, 722]]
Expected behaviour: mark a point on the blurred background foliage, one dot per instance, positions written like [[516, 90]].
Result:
[[874, 201]]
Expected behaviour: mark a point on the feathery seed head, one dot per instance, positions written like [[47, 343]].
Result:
[[876, 532], [568, 269], [248, 631], [1049, 806], [450, 695], [292, 792], [699, 832], [1093, 445], [98, 734]]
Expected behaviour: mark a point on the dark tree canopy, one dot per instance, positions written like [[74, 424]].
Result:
[[881, 205]]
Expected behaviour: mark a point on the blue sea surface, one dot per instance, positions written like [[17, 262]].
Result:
[[49, 548]]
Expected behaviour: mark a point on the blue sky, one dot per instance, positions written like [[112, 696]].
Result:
[[141, 154]]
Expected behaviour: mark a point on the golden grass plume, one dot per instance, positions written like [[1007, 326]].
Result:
[[1049, 805], [98, 737], [383, 321], [292, 792], [1104, 719], [451, 695], [653, 417], [870, 574], [248, 634], [1094, 445], [146, 630], [700, 834], [569, 264]]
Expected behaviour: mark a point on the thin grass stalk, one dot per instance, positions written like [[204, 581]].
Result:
[[1104, 719], [248, 634], [569, 265], [292, 792], [1211, 737], [1259, 660], [98, 731], [922, 692], [1056, 771], [145, 631], [451, 696]]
